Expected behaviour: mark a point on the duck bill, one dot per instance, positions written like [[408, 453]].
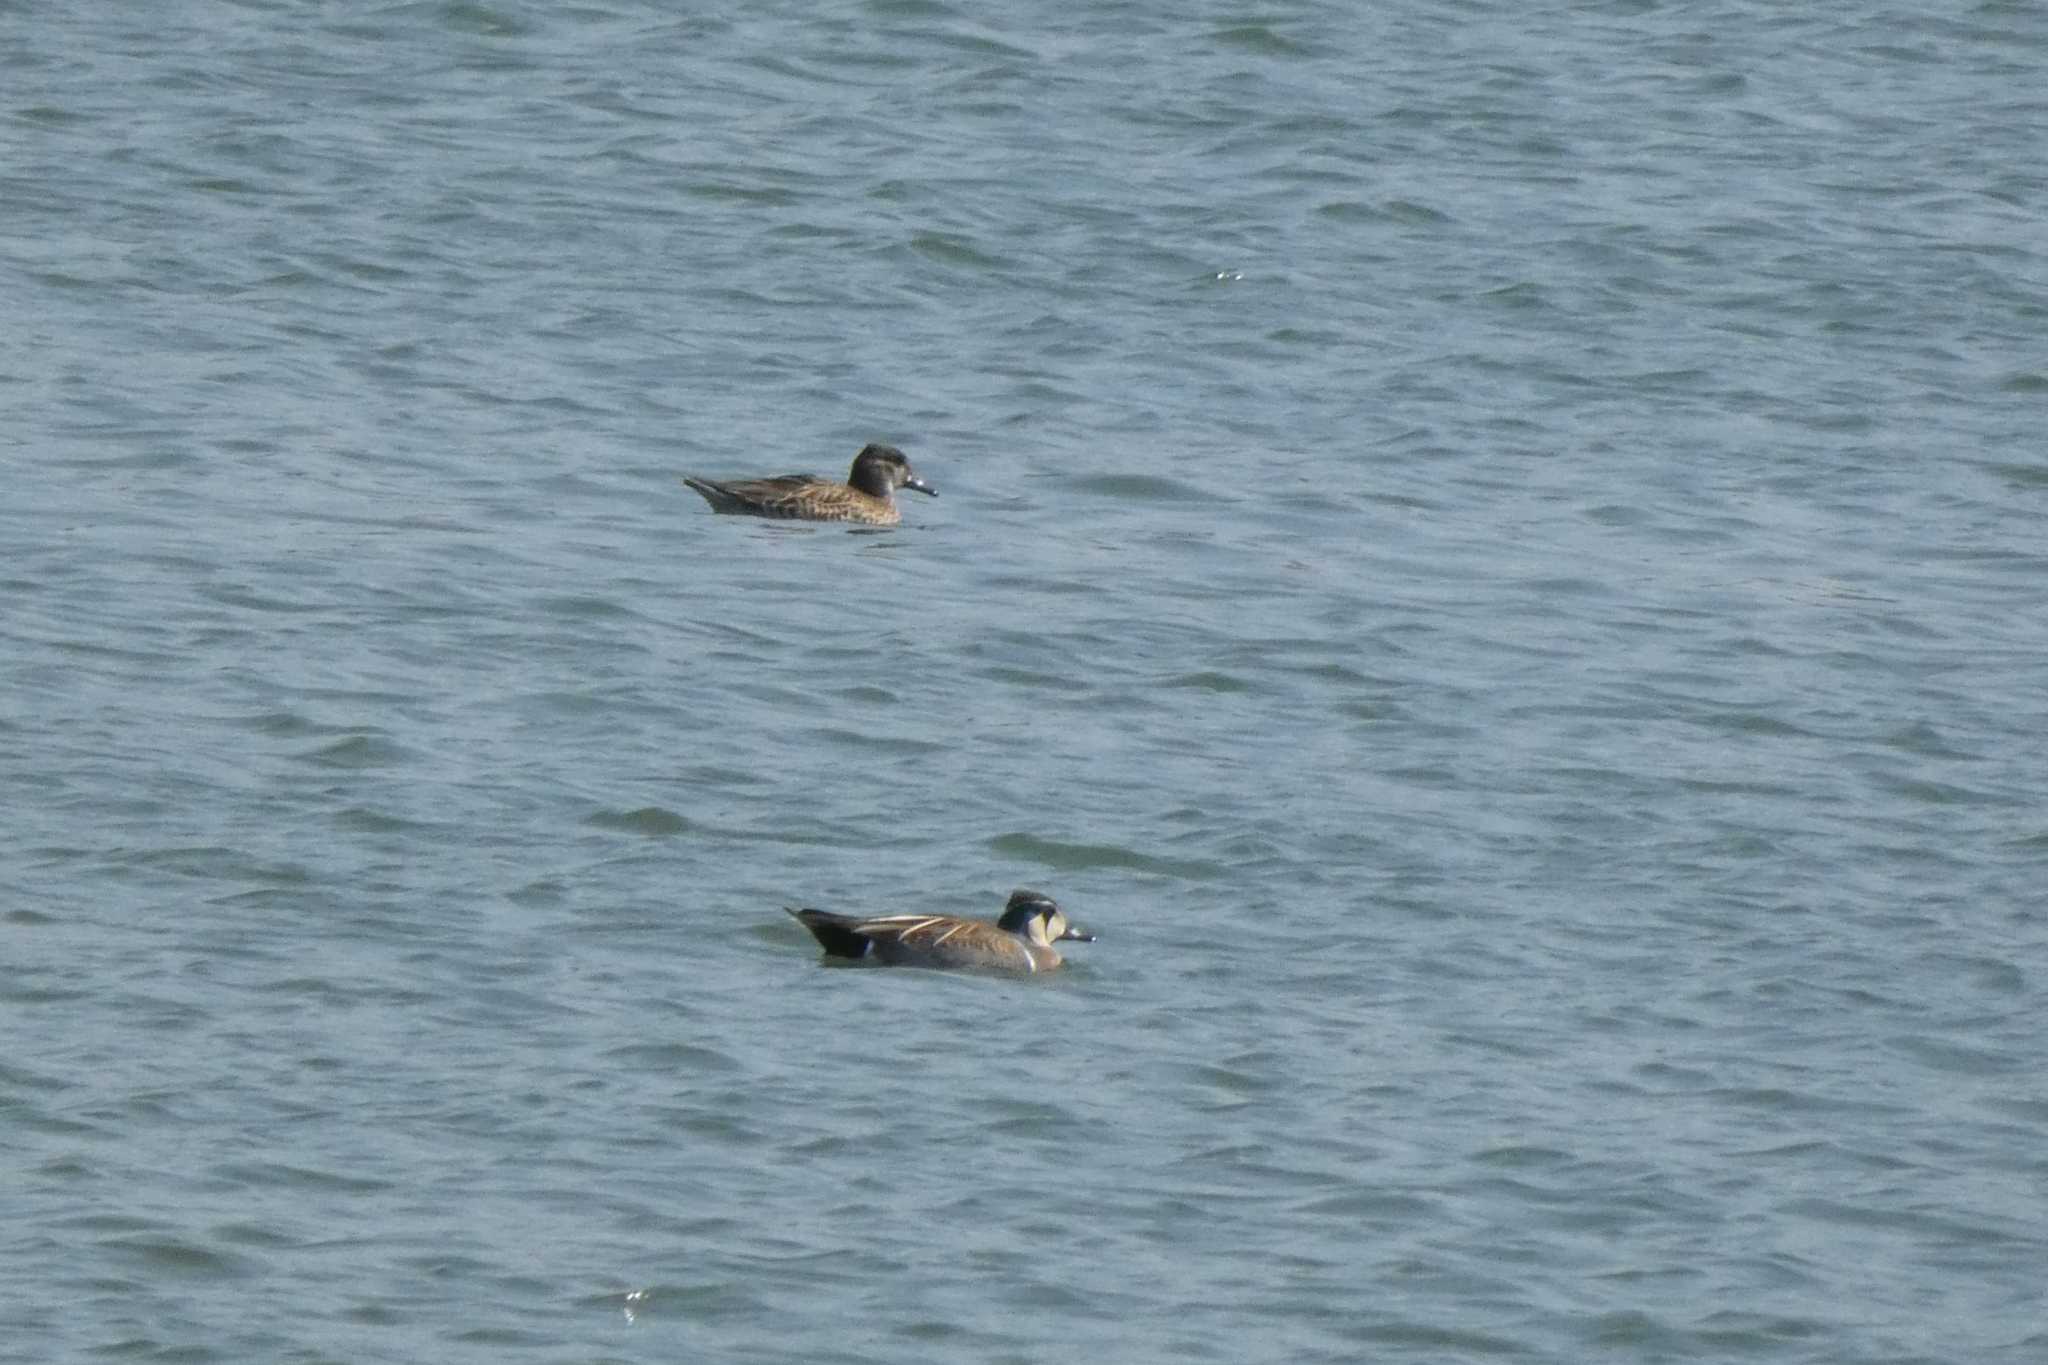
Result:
[[921, 486], [1076, 935]]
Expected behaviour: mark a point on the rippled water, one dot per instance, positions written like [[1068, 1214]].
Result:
[[1493, 556]]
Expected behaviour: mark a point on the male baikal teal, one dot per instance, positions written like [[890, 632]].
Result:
[[1021, 941]]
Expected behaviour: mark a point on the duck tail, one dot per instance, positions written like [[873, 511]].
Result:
[[710, 492], [835, 933]]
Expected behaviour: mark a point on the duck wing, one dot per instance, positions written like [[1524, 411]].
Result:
[[758, 496], [946, 941], [920, 940]]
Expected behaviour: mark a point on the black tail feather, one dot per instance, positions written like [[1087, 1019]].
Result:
[[835, 933]]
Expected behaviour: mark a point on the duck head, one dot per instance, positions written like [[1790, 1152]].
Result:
[[880, 470], [1036, 916]]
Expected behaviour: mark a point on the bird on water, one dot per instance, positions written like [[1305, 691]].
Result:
[[1021, 941], [868, 496]]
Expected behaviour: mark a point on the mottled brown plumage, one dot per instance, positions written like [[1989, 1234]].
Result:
[[868, 496], [1021, 941]]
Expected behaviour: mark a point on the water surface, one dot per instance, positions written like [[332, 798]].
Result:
[[1494, 556]]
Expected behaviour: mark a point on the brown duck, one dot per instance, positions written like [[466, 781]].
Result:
[[868, 496], [1021, 941]]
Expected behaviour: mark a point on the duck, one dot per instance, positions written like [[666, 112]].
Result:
[[868, 496], [1021, 941]]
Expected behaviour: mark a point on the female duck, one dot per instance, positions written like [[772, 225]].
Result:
[[868, 496]]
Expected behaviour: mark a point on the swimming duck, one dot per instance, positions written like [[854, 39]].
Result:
[[1021, 941], [868, 495]]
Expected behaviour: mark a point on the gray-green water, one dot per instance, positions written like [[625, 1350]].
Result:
[[1495, 555]]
